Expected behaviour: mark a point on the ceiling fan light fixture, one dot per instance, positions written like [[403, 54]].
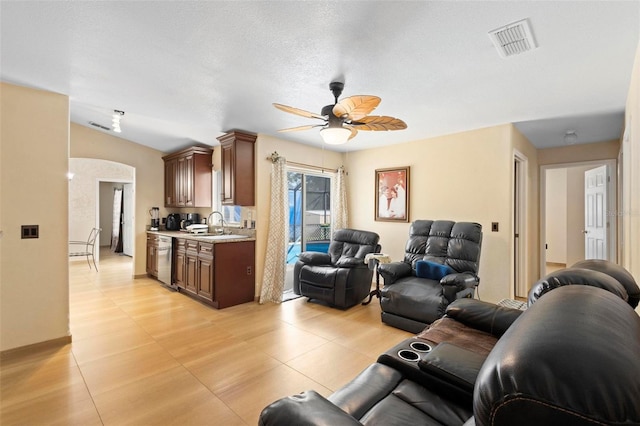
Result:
[[335, 135]]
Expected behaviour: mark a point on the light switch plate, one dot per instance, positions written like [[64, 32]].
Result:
[[29, 231]]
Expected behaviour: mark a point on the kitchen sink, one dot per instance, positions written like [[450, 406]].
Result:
[[222, 237]]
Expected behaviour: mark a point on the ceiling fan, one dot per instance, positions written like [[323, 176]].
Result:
[[343, 119]]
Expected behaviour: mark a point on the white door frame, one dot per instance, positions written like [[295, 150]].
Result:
[[611, 205], [520, 196]]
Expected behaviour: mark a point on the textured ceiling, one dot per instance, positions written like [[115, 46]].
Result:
[[187, 71]]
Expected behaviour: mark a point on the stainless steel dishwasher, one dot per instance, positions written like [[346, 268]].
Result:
[[165, 260]]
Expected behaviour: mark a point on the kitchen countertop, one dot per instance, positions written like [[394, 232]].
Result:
[[203, 237]]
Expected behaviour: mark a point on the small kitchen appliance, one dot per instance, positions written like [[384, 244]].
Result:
[[173, 222], [194, 218], [155, 218], [198, 228]]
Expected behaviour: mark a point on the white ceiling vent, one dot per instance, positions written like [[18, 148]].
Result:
[[100, 126], [513, 39]]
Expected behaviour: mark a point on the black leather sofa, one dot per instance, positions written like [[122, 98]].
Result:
[[410, 300], [592, 272], [570, 359], [339, 277], [615, 271]]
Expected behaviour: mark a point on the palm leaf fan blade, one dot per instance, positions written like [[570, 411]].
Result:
[[356, 107], [379, 122], [298, 111], [295, 129]]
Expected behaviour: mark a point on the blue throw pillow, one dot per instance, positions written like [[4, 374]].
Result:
[[432, 270]]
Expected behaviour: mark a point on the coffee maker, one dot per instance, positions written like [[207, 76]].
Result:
[[155, 218]]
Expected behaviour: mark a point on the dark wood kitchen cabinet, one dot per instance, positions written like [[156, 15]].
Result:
[[238, 168], [152, 255], [205, 272], [234, 280], [179, 262], [191, 267], [187, 178], [220, 274]]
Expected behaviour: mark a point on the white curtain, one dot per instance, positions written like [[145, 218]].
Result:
[[275, 268], [339, 200]]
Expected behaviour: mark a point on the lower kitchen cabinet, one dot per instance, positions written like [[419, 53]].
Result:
[[220, 274], [234, 280], [179, 262], [191, 267], [152, 255], [205, 272]]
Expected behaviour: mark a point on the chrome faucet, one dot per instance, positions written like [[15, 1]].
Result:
[[221, 219]]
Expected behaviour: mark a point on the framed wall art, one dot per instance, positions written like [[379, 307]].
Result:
[[392, 194]]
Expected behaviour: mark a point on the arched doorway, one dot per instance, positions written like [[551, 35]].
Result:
[[91, 185]]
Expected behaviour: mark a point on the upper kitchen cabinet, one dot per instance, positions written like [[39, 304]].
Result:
[[187, 178], [238, 168]]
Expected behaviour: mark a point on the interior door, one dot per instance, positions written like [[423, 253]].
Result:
[[595, 219], [127, 220]]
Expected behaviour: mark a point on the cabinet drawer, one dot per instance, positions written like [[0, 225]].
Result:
[[191, 245], [206, 249], [181, 244]]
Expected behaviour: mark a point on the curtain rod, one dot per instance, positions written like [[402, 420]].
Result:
[[273, 157]]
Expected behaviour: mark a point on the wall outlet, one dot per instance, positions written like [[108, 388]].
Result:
[[494, 226]]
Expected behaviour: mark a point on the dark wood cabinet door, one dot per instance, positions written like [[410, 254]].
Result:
[[187, 181], [228, 171], [180, 181], [234, 279], [170, 183], [205, 278], [191, 273], [205, 271], [238, 168], [187, 178], [149, 257], [152, 256], [180, 261]]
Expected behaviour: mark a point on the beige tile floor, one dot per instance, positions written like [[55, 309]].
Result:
[[145, 355]]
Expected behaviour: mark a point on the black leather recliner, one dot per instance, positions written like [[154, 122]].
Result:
[[593, 272], [339, 277], [410, 302], [615, 271], [570, 359]]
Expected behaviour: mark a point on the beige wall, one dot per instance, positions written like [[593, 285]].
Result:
[[461, 177], [556, 216], [149, 177], [265, 146], [630, 212], [579, 153], [34, 273]]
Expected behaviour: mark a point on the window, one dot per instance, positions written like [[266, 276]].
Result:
[[232, 214]]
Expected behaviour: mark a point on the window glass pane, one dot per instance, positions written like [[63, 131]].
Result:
[[309, 214], [232, 214]]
